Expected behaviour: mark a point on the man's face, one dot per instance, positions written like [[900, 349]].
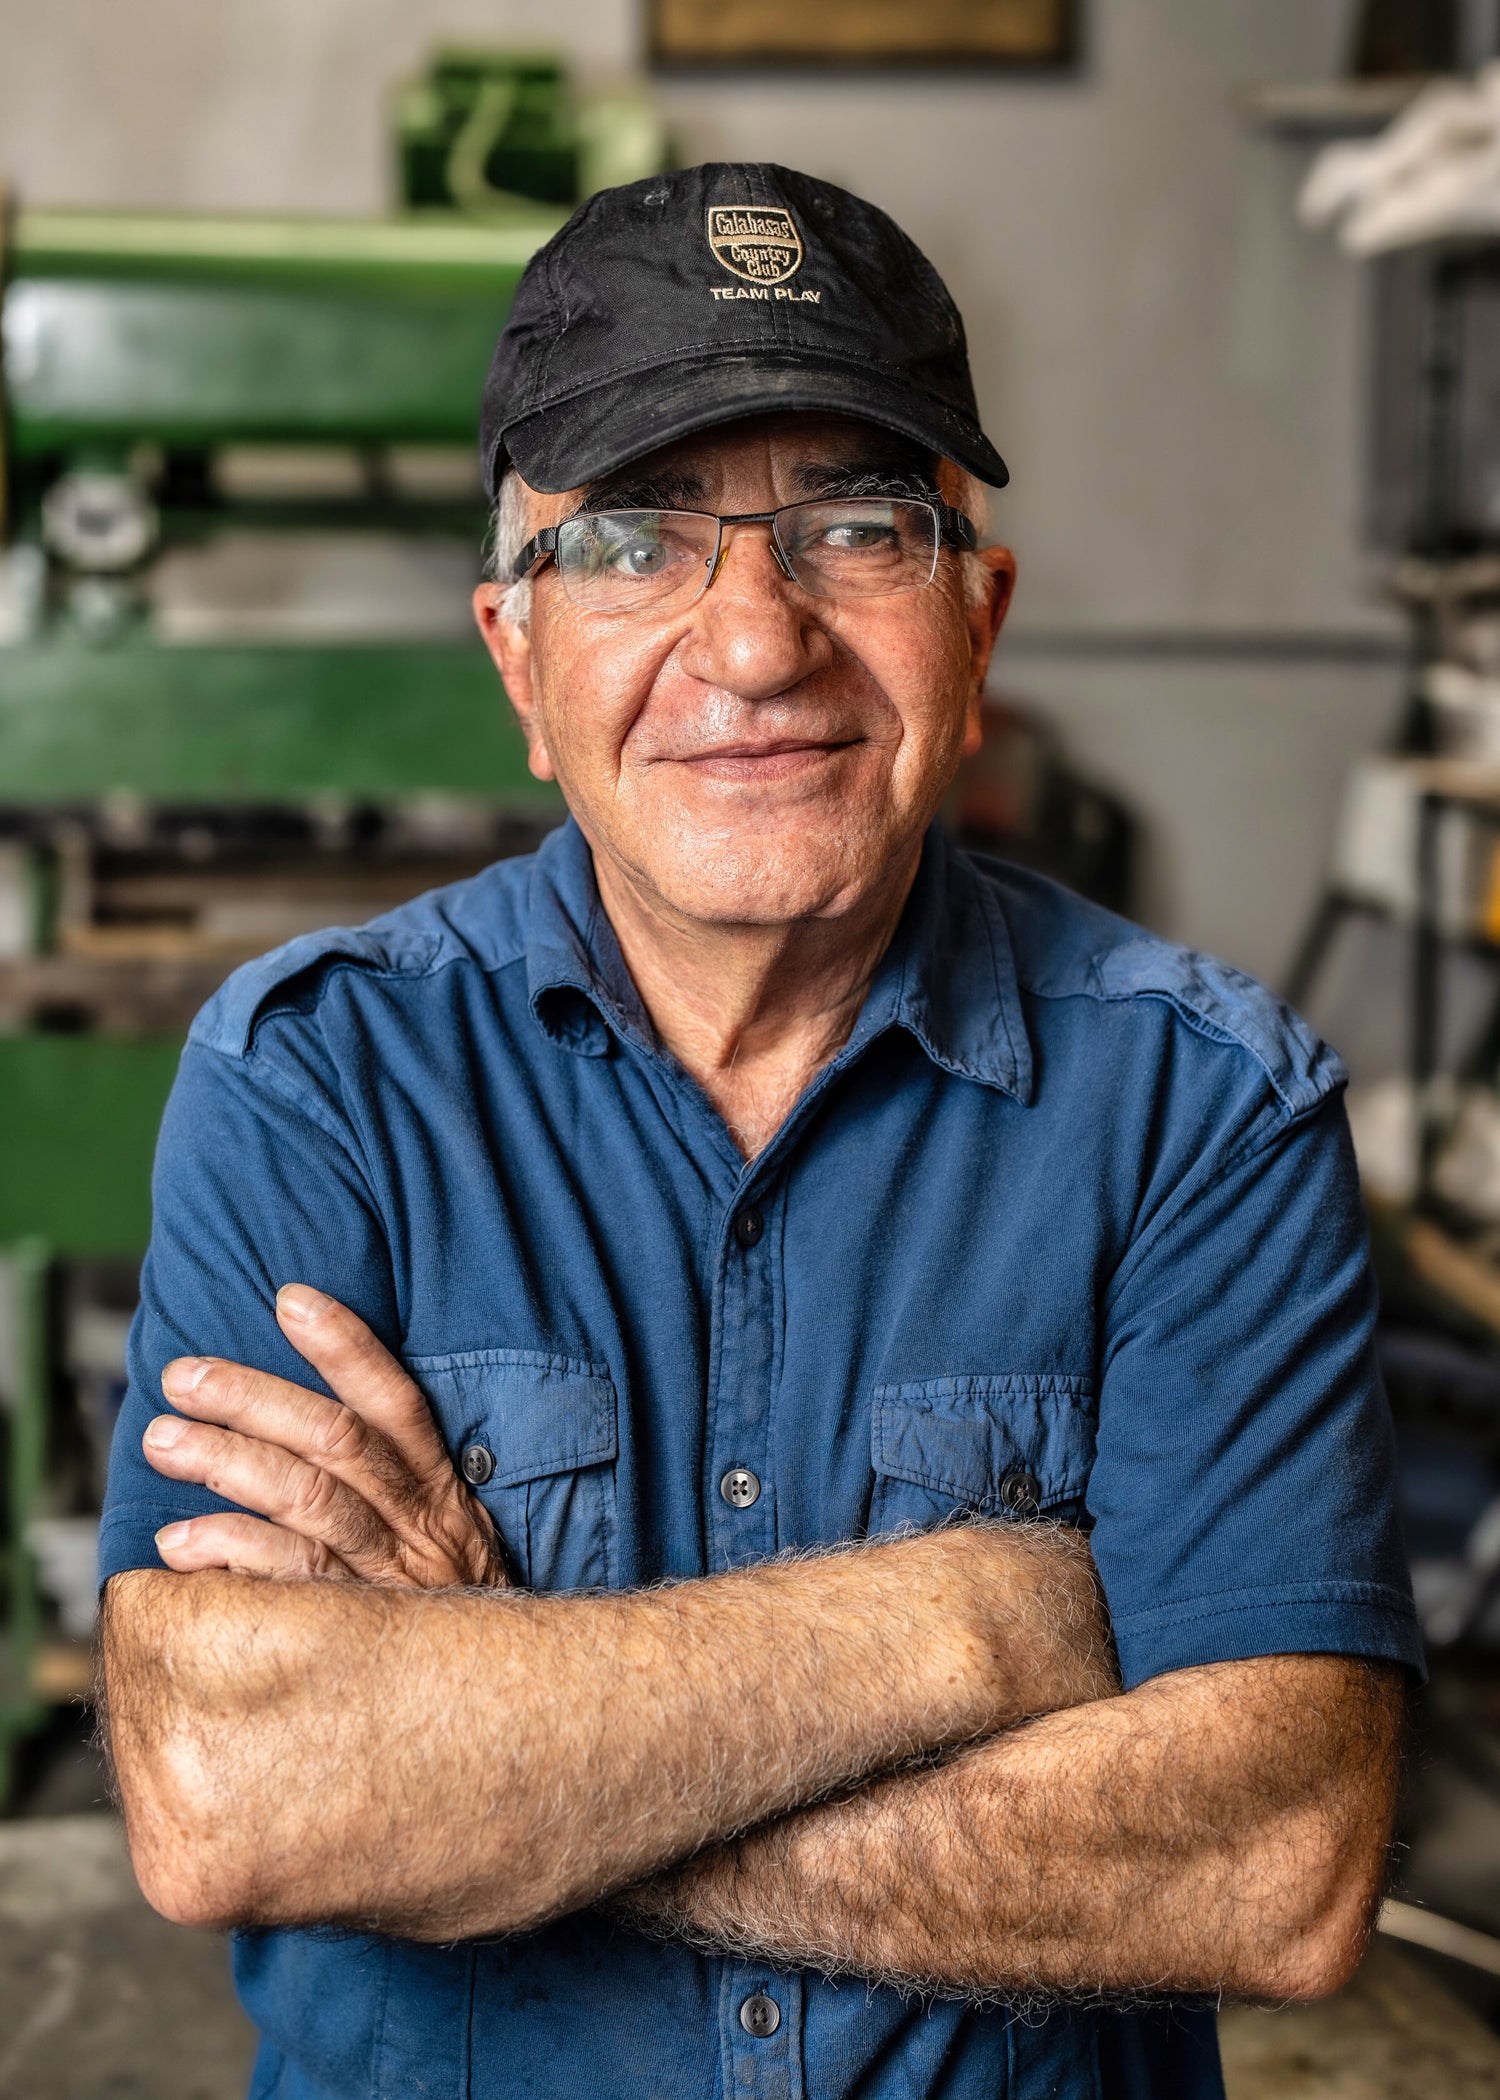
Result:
[[762, 755]]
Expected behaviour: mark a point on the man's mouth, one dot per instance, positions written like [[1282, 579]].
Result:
[[777, 758]]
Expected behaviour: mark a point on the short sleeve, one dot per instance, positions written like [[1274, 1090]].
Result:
[[253, 1188], [1243, 1493]]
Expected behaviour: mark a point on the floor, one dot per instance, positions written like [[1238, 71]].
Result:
[[99, 1998], [1397, 2033]]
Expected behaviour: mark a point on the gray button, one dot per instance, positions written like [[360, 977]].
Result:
[[478, 1463], [1021, 1492], [760, 2015], [740, 1488], [748, 1227]]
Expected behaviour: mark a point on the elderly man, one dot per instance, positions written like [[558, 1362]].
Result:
[[806, 1400]]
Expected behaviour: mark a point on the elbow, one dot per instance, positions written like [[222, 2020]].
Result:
[[187, 1886], [1318, 1962], [168, 1748], [187, 1855], [1310, 1942]]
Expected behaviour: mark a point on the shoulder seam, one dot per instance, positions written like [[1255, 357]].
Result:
[[265, 1075], [329, 964], [1208, 1026]]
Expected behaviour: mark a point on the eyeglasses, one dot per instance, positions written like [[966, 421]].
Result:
[[617, 561]]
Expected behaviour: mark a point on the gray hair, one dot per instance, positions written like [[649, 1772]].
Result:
[[510, 529]]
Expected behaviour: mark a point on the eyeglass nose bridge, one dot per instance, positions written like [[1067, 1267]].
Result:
[[752, 517]]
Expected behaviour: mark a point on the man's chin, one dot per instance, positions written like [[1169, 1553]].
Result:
[[764, 878]]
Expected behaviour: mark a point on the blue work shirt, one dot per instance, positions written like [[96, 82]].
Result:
[[1070, 1223]]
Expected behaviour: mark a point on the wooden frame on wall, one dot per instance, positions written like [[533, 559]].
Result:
[[819, 33]]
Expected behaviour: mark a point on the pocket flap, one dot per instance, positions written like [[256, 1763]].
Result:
[[538, 1414], [961, 1436]]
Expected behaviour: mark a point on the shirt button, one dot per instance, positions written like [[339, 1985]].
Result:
[[1021, 1492], [748, 1227], [760, 2015], [740, 1488], [478, 1462]]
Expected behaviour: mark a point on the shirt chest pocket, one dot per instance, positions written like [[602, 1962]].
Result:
[[537, 1437], [1008, 1445]]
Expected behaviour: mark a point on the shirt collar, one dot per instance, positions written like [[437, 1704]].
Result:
[[576, 977], [948, 977]]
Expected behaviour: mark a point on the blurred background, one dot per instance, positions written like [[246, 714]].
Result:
[[1231, 276]]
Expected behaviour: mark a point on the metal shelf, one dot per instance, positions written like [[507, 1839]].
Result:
[[1314, 111]]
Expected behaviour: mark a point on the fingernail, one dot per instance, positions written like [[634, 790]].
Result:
[[164, 1431], [172, 1535], [185, 1372], [299, 1302]]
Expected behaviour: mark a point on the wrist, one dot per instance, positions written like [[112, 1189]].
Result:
[[1034, 1630]]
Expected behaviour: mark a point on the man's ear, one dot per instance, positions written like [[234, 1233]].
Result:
[[986, 618], [509, 645]]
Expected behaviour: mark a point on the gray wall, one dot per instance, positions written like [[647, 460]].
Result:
[[1171, 366]]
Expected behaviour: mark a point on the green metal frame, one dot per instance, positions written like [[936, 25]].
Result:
[[78, 1122], [254, 723], [125, 330]]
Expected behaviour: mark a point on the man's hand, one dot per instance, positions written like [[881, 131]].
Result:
[[358, 1486]]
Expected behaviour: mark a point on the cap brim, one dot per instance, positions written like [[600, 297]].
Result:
[[574, 441]]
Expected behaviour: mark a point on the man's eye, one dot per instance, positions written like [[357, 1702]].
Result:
[[642, 554], [642, 558], [860, 538]]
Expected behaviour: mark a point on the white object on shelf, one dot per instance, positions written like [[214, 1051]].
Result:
[[1432, 175], [1375, 849], [1466, 1172], [1467, 707]]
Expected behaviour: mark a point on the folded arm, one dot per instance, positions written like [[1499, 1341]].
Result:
[[411, 1753], [450, 1763], [1220, 1829]]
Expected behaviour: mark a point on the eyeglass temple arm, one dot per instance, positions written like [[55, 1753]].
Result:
[[535, 550], [956, 527]]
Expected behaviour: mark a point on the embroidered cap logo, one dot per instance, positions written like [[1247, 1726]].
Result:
[[758, 242]]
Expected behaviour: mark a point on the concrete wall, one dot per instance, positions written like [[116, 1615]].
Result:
[[1171, 366]]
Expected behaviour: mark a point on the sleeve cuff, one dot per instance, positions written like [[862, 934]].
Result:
[[127, 1534], [1365, 1619]]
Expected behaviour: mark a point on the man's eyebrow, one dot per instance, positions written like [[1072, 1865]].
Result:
[[867, 478], [646, 492]]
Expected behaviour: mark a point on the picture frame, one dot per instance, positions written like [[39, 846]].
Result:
[[1005, 34]]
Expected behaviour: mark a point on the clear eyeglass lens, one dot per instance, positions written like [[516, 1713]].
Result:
[[614, 560], [863, 547], [859, 547]]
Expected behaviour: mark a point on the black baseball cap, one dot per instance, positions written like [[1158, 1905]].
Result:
[[732, 289]]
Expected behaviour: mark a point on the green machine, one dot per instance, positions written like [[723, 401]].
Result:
[[240, 692]]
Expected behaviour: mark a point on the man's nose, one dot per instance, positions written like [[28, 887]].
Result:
[[754, 632]]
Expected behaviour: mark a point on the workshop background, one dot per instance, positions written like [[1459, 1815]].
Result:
[[252, 257]]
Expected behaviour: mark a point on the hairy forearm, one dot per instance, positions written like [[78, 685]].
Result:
[[454, 1763], [1222, 1828]]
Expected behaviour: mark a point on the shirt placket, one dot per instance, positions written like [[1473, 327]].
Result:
[[760, 2032], [760, 2010], [740, 1489]]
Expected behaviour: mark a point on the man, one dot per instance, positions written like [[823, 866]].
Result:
[[545, 1277]]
